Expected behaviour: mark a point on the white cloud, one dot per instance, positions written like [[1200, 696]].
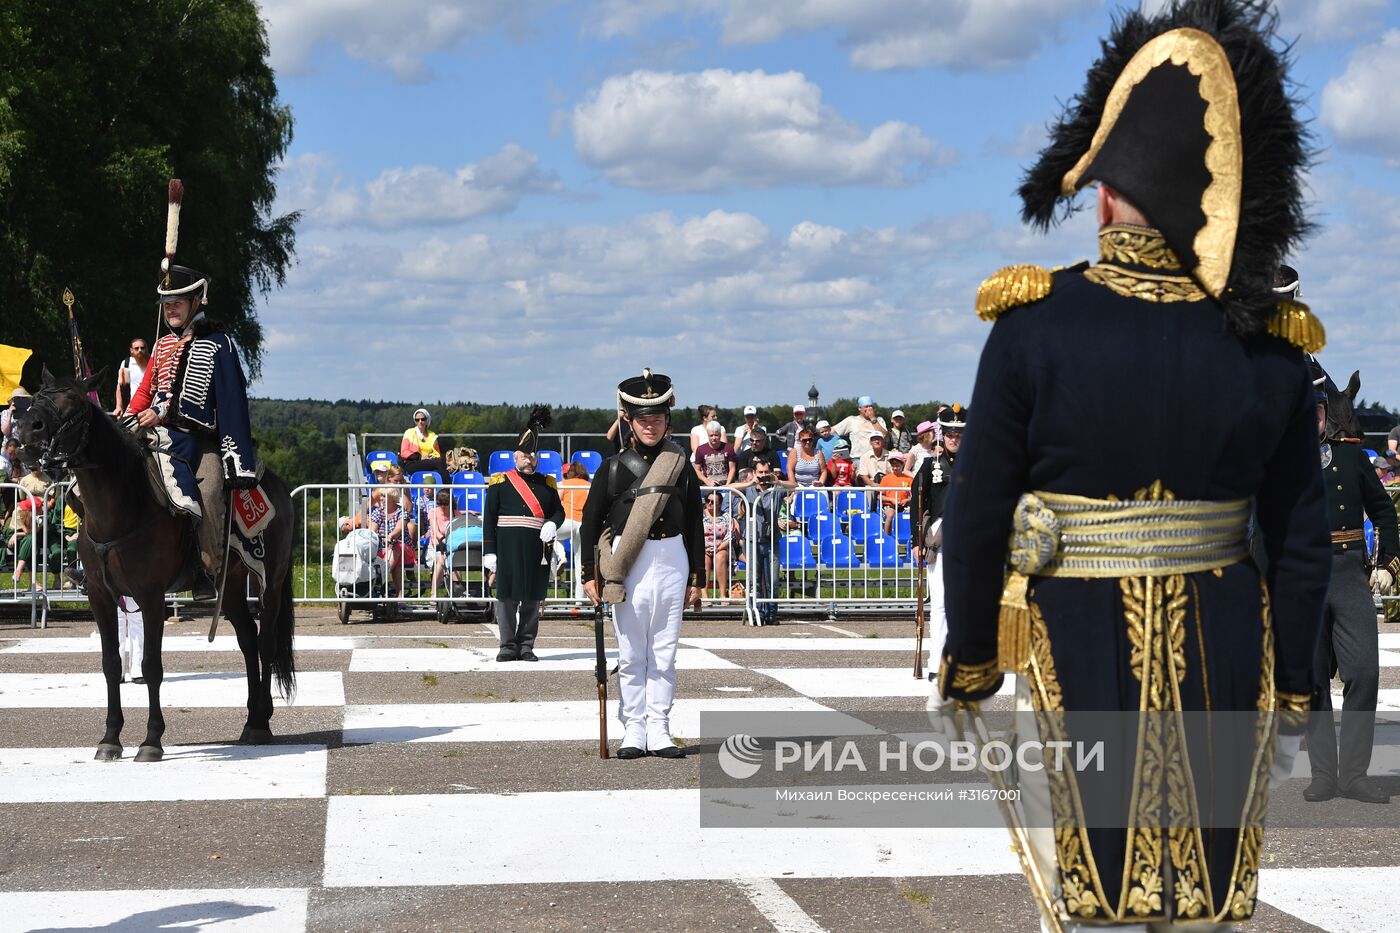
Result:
[[404, 197], [1315, 20], [882, 34], [717, 129], [395, 37], [1358, 106]]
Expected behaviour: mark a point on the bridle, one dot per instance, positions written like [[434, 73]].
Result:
[[61, 450]]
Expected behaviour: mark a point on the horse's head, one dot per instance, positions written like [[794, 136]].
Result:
[[53, 432], [1342, 423]]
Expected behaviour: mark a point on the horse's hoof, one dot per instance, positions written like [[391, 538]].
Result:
[[150, 753], [253, 736], [108, 752]]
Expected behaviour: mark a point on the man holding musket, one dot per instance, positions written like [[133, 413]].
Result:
[[519, 522], [642, 537], [926, 502], [1131, 591]]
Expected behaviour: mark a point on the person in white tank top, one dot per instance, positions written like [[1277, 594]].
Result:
[[130, 373]]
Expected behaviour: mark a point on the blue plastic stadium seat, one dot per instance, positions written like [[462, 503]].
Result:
[[374, 456], [901, 527], [590, 459], [475, 500], [459, 499], [882, 551], [797, 554], [849, 502], [864, 526], [500, 461], [426, 476], [782, 461], [551, 462], [839, 552], [821, 527], [809, 502], [468, 478]]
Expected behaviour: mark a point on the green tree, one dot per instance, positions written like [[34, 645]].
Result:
[[101, 101]]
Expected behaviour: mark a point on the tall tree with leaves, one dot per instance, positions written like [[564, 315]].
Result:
[[101, 101]]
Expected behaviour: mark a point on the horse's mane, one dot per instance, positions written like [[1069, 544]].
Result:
[[127, 441]]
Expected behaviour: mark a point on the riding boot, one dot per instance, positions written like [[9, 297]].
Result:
[[212, 543]]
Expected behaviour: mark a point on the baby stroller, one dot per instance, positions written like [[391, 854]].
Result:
[[467, 599], [356, 570]]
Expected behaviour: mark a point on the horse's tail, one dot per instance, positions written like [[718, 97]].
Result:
[[283, 664]]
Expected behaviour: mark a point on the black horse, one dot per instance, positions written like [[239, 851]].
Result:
[[132, 545], [1342, 423]]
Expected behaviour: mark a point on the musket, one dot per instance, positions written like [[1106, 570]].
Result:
[[1020, 835], [600, 669], [919, 624]]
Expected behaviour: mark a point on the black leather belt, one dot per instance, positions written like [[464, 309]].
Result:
[[647, 490]]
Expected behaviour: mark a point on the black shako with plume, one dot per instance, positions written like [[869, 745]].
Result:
[[1143, 139]]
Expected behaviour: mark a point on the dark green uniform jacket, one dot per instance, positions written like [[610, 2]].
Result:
[[522, 564]]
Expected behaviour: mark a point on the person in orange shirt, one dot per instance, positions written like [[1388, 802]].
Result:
[[894, 486], [573, 492]]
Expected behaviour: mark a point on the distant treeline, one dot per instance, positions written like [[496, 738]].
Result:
[[304, 439]]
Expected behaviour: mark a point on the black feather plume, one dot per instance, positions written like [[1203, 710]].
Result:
[[540, 417]]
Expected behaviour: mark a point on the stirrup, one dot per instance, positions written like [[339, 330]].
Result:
[[204, 589]]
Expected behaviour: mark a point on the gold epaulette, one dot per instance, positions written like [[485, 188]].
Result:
[[1010, 288], [553, 483], [1295, 322], [495, 478]]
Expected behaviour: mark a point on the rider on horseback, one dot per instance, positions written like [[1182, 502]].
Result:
[[193, 405]]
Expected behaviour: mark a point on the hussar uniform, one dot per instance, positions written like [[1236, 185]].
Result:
[[1091, 552], [519, 522], [642, 535]]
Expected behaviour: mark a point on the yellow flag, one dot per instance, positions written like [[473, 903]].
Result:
[[12, 361]]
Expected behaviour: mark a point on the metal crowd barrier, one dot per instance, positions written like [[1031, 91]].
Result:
[[44, 580], [808, 550]]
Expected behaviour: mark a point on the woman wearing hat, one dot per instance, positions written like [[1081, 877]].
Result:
[[419, 449]]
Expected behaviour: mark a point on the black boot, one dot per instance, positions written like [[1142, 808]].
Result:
[[1365, 790], [1322, 788], [204, 589], [629, 752]]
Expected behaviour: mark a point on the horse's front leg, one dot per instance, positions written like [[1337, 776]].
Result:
[[153, 620], [104, 611]]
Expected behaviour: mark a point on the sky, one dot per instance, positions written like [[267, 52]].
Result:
[[528, 200]]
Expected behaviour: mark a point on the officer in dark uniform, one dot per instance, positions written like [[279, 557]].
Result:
[[926, 502], [518, 525], [1349, 643], [642, 536], [1090, 377]]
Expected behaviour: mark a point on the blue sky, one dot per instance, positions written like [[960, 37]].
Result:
[[514, 200]]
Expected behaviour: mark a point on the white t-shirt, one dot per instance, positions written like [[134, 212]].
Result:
[[135, 372], [858, 431]]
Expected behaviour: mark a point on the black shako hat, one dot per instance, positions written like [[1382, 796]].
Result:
[[1188, 114], [1286, 283], [529, 439], [178, 281], [954, 417], [648, 394]]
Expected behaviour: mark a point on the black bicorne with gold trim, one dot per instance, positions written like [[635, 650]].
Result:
[[1188, 114], [529, 439]]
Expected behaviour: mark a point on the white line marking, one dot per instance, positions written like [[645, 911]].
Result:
[[777, 906], [550, 720], [232, 910], [481, 660], [735, 689], [92, 645], [457, 840], [852, 681], [1350, 899], [844, 631], [189, 689], [188, 772], [905, 645]]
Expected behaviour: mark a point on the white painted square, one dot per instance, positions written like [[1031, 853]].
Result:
[[93, 645], [757, 643], [859, 681], [187, 689], [1345, 900], [188, 772], [628, 835], [233, 910], [483, 660], [547, 720]]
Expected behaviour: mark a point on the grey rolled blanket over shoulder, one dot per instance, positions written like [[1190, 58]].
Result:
[[614, 564]]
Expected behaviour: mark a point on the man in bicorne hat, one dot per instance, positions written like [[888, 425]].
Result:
[[1131, 591], [642, 535], [193, 400], [519, 523], [926, 503]]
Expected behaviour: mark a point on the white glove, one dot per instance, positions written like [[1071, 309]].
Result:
[[1285, 752], [488, 563], [1381, 580], [548, 532]]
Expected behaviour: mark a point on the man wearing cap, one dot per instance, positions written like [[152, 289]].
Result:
[[642, 538], [519, 522], [742, 434], [788, 432], [928, 498], [1131, 590], [193, 399], [859, 428], [1385, 470], [899, 437], [875, 464], [1350, 644]]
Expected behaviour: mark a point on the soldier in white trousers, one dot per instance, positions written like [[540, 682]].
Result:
[[926, 503], [642, 550]]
